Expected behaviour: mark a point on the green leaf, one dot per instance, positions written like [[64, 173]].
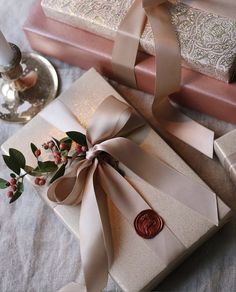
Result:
[[59, 173], [20, 187], [77, 137], [47, 166], [56, 142], [18, 157], [64, 152], [11, 164], [33, 148], [66, 140], [16, 196], [37, 172], [3, 183]]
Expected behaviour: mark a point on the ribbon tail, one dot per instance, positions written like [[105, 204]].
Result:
[[167, 50], [168, 76], [184, 128], [126, 44], [94, 254], [130, 203], [163, 177]]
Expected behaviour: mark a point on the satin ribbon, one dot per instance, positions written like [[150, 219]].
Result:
[[230, 166], [91, 180], [168, 64]]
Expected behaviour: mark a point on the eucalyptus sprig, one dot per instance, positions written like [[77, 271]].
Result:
[[64, 152]]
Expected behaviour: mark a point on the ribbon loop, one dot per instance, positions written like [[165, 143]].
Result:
[[119, 119], [68, 189]]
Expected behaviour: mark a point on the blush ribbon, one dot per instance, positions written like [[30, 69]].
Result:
[[91, 181], [168, 63]]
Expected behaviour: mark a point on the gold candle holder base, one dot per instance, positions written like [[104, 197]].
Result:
[[27, 85]]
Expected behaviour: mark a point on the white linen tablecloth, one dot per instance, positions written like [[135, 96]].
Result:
[[38, 254]]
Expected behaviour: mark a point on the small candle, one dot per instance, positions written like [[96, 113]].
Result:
[[6, 53]]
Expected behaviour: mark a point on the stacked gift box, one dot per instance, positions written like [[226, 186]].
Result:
[[78, 35]]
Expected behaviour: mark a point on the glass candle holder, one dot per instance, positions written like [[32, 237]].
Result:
[[27, 84]]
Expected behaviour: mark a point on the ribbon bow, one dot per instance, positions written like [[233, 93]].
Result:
[[93, 179]]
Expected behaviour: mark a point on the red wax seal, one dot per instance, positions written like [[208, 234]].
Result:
[[148, 224]]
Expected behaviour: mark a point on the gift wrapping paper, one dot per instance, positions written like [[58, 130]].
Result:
[[135, 266], [207, 41], [225, 149], [86, 50]]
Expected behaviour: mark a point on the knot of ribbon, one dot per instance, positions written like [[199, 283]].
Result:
[[89, 182], [92, 153]]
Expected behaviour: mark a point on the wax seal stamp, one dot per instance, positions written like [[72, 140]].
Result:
[[148, 224]]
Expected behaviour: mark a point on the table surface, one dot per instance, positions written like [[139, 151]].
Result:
[[38, 254]]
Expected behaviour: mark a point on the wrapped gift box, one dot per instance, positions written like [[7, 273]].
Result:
[[135, 266], [207, 41], [86, 50], [225, 148]]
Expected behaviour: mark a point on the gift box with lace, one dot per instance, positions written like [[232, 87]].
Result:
[[86, 50], [137, 208], [207, 36]]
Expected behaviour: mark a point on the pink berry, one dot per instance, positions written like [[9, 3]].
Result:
[[13, 182], [50, 144], [37, 180], [78, 149], [8, 184], [62, 146], [37, 153], [14, 188], [57, 160], [42, 181], [56, 154], [45, 146], [10, 194]]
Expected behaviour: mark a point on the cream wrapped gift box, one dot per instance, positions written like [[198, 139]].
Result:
[[225, 148], [207, 40], [135, 266]]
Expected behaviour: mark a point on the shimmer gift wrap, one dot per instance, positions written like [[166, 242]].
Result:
[[207, 40], [135, 266], [225, 149]]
